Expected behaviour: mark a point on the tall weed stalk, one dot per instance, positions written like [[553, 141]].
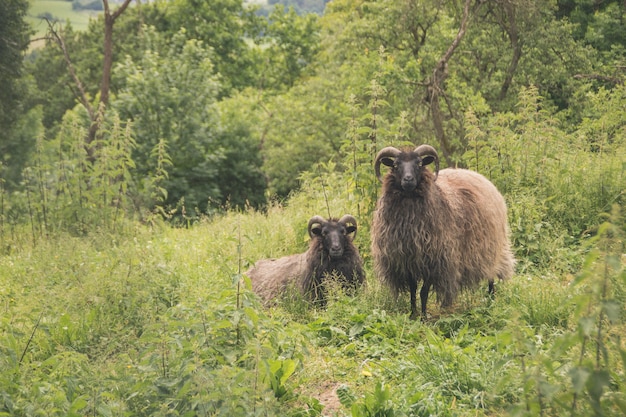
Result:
[[583, 371], [64, 190], [557, 183]]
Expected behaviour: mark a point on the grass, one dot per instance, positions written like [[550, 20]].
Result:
[[151, 321], [101, 315], [58, 10]]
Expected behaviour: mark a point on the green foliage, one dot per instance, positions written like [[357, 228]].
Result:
[[288, 46], [169, 97], [63, 190], [241, 179], [222, 25], [557, 183], [300, 6], [18, 146], [599, 23], [87, 5], [105, 316], [582, 371], [14, 34], [159, 321], [192, 340], [376, 404], [15, 119]]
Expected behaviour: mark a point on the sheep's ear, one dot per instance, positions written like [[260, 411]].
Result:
[[387, 161], [427, 160], [350, 228], [316, 229], [315, 226]]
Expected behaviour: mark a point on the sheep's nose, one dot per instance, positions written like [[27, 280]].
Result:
[[335, 250], [408, 183]]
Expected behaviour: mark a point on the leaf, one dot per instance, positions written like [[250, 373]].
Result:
[[586, 325], [346, 398], [596, 383], [356, 330], [288, 368], [613, 310], [579, 378], [282, 369]]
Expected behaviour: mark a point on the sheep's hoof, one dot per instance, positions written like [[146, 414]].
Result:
[[414, 315]]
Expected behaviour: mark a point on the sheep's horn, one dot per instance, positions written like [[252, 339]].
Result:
[[315, 219], [389, 151], [349, 219], [427, 150]]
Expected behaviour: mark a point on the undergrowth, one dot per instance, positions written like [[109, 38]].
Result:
[[105, 315]]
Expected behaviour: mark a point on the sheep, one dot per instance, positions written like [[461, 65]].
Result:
[[331, 253], [448, 229]]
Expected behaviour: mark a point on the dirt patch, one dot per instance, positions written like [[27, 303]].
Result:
[[329, 399]]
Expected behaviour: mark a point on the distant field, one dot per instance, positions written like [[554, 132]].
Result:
[[58, 9]]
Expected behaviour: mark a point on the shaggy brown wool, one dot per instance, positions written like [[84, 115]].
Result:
[[307, 271], [450, 234]]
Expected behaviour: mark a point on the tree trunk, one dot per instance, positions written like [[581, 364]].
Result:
[[107, 65], [435, 87], [516, 44]]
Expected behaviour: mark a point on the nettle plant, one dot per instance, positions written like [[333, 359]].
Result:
[[217, 357], [68, 188], [583, 371], [557, 183], [348, 181], [74, 186]]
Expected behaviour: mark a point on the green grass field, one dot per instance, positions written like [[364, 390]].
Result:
[[159, 321], [59, 10], [105, 315]]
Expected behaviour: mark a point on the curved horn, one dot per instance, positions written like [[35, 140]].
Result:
[[348, 219], [389, 151], [315, 219], [427, 150]]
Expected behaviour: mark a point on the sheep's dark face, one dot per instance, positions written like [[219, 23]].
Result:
[[335, 237], [407, 169]]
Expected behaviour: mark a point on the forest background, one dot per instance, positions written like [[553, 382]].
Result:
[[148, 158]]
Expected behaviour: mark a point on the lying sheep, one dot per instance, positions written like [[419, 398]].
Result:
[[331, 252], [448, 229]]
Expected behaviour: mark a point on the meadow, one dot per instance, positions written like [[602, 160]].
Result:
[[108, 311], [56, 10], [156, 320]]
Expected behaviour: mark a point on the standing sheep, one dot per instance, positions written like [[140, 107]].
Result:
[[331, 252], [448, 229]]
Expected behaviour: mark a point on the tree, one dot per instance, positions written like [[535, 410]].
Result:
[[14, 40], [170, 96], [96, 115], [287, 48], [223, 25], [239, 175]]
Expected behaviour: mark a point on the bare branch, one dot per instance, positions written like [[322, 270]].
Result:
[[605, 78], [434, 88], [83, 94], [121, 9]]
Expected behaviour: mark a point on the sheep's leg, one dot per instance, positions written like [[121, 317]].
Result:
[[492, 290], [413, 289], [424, 296]]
